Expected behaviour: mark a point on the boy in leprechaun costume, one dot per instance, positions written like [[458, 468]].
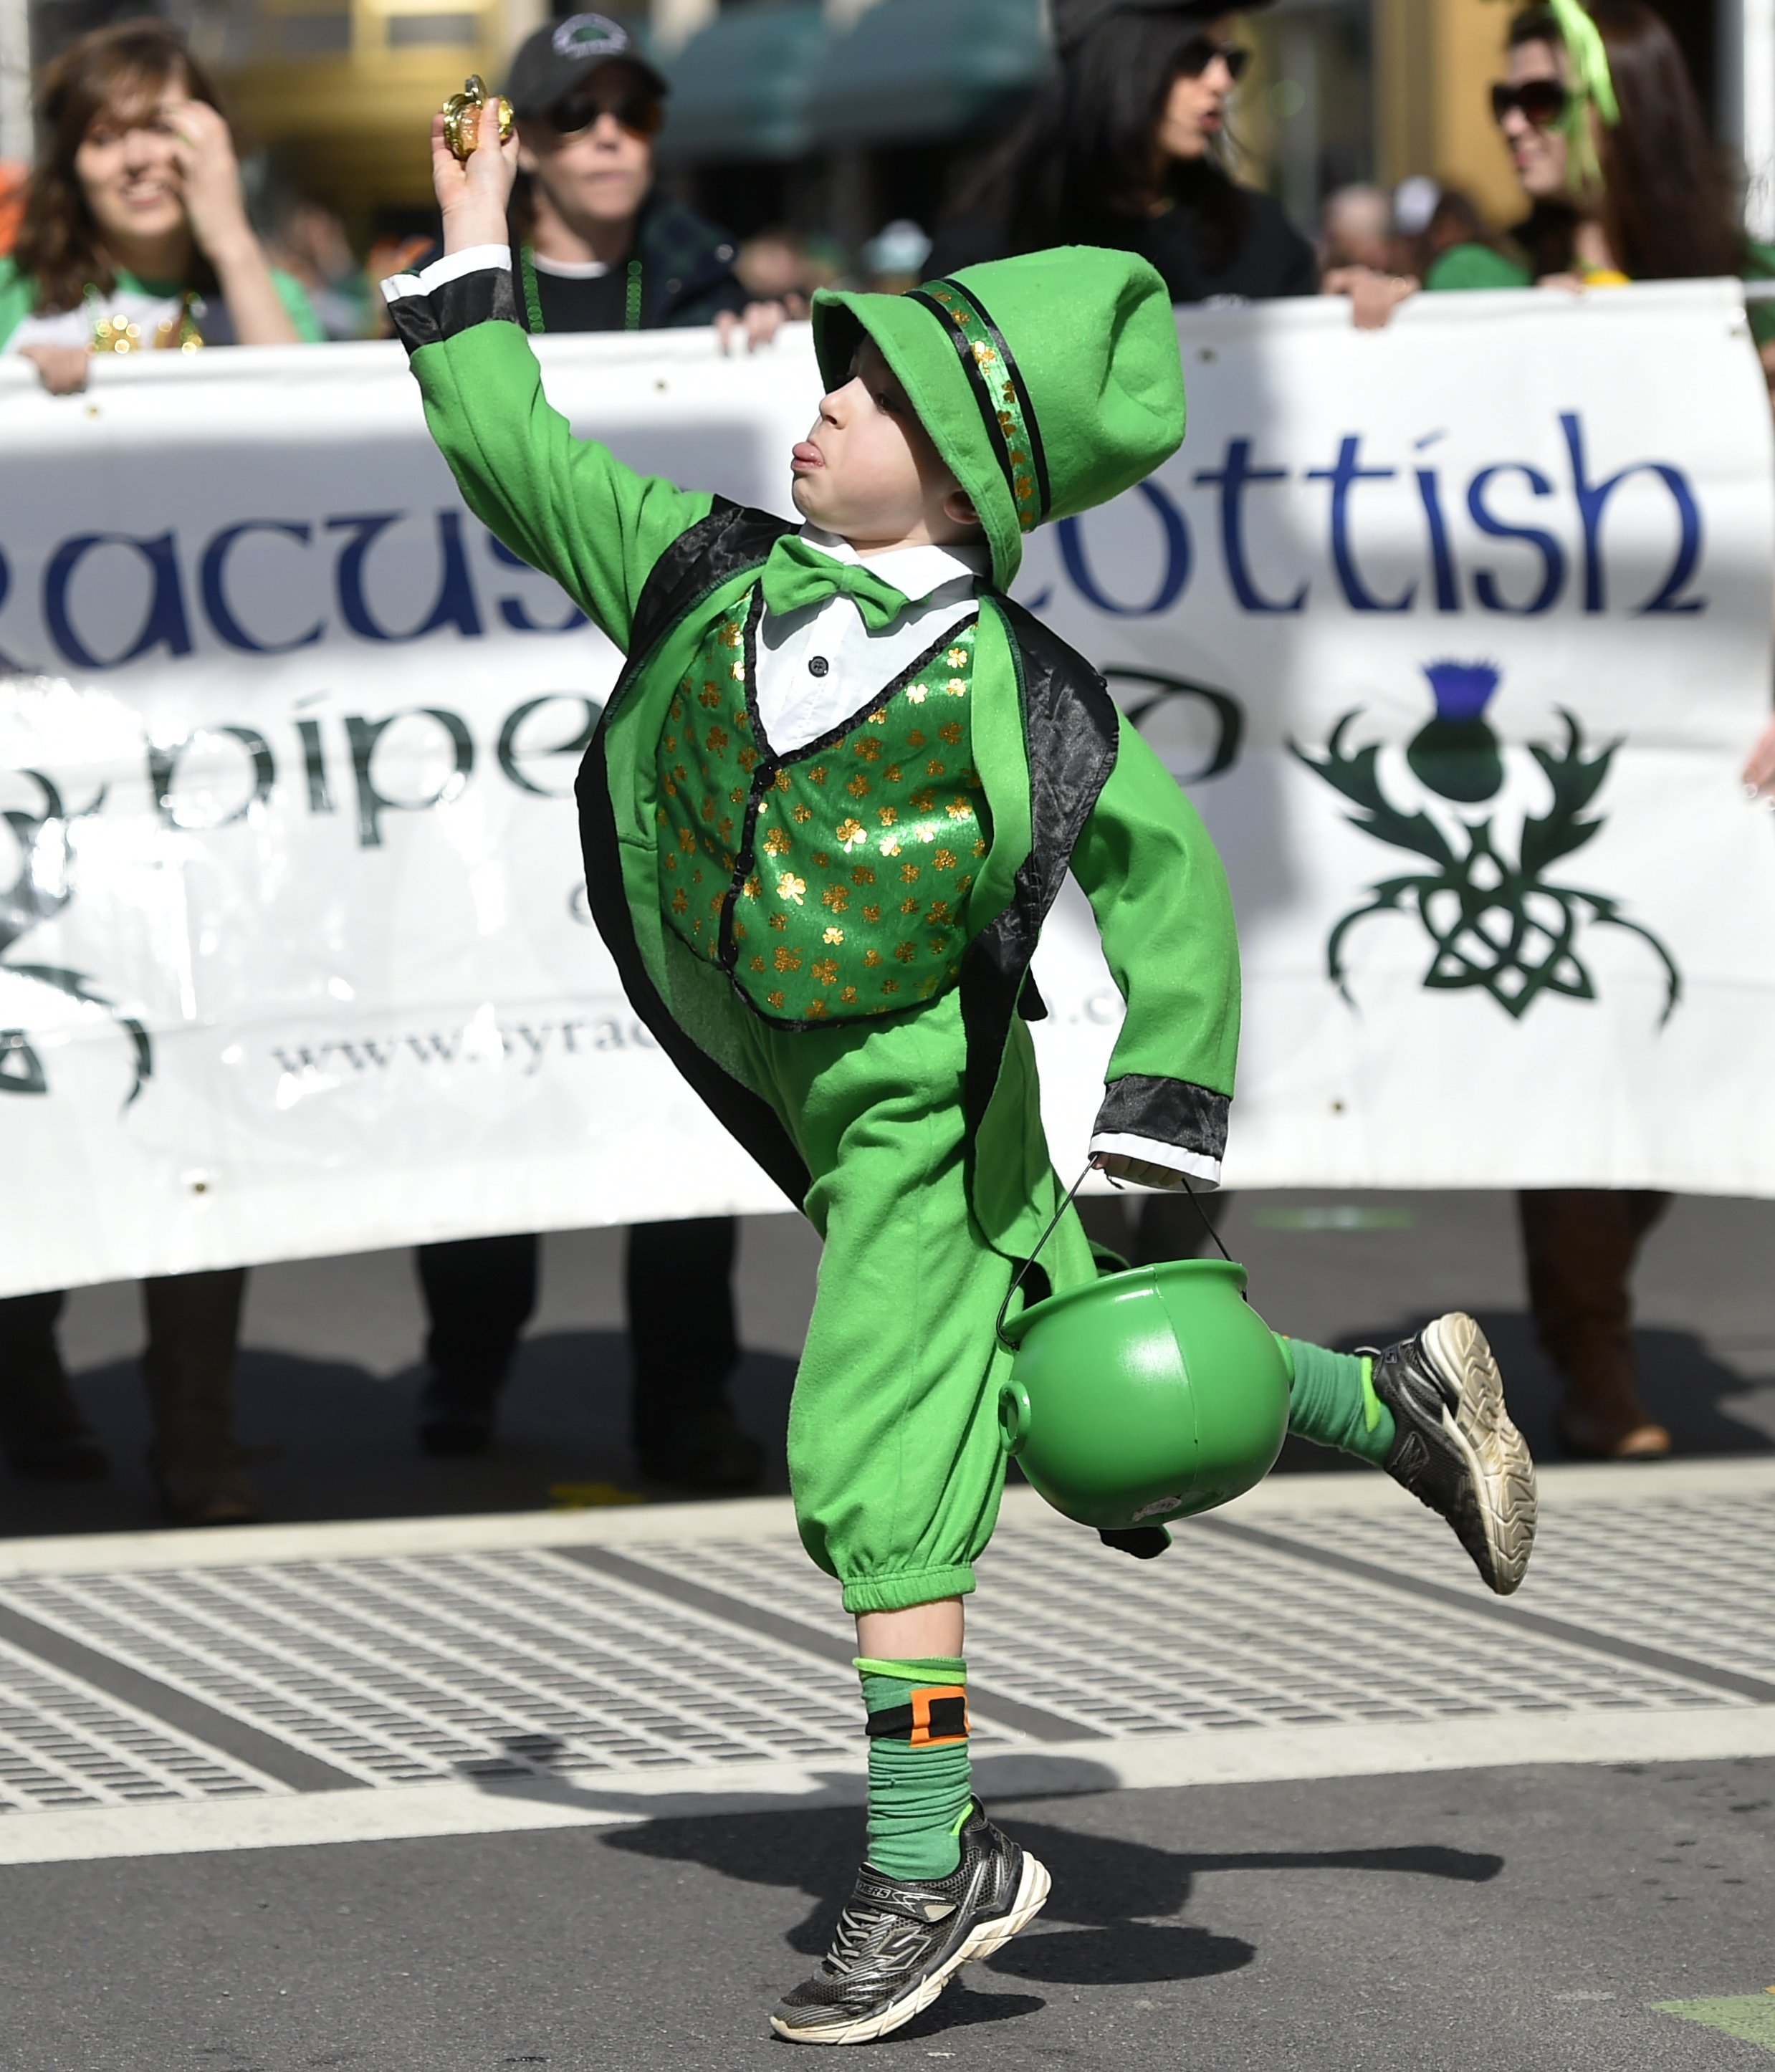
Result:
[[829, 803]]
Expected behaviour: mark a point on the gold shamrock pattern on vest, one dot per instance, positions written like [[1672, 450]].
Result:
[[831, 883]]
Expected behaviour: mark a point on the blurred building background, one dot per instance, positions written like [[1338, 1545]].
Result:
[[839, 117]]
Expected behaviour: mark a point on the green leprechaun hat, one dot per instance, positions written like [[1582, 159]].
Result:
[[1049, 383]]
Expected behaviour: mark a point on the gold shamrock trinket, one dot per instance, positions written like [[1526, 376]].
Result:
[[462, 117]]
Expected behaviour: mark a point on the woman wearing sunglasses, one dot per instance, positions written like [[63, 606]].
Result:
[[1124, 147], [1609, 144]]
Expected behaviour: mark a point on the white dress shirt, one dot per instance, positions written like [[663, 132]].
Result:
[[817, 667]]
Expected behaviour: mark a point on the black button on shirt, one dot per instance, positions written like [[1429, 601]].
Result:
[[817, 666]]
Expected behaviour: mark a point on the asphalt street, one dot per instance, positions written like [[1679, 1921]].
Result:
[[1525, 1920], [1590, 1914]]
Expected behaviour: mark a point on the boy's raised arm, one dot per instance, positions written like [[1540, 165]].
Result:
[[567, 505], [1156, 886]]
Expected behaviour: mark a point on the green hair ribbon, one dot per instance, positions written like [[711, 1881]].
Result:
[[1584, 45]]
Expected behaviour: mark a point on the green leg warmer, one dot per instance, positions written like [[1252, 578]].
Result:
[[1333, 1402], [919, 1783]]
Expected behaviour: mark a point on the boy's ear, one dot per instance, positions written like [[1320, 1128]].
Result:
[[959, 505]]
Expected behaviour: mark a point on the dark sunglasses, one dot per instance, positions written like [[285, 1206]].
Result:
[[637, 111], [1541, 101], [1200, 52]]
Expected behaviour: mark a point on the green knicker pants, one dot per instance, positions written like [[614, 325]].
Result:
[[893, 1435]]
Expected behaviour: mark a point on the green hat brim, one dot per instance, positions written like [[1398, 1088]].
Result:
[[920, 348]]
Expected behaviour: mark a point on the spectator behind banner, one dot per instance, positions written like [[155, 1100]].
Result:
[[135, 233], [781, 264], [1611, 149], [308, 241], [1356, 229], [1125, 147], [594, 246], [593, 249]]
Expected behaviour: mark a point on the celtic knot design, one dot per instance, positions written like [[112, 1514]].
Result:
[[1497, 924]]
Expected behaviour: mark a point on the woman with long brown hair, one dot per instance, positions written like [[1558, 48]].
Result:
[[1609, 142], [135, 232]]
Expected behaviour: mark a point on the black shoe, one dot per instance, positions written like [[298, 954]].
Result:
[[456, 1415], [705, 1450], [1457, 1450], [898, 1944]]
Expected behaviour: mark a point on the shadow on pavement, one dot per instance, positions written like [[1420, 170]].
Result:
[[327, 1440], [1101, 1884]]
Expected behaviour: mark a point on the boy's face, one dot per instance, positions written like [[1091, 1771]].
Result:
[[869, 471]]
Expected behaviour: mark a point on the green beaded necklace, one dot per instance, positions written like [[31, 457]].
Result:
[[533, 294]]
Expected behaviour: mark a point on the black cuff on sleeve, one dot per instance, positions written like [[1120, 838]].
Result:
[[485, 296], [1171, 1111]]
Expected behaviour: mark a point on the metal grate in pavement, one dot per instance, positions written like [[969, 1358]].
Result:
[[1695, 1578], [409, 1670], [62, 1745], [1216, 1636]]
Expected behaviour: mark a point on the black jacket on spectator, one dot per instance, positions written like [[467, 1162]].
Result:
[[1216, 240], [687, 278]]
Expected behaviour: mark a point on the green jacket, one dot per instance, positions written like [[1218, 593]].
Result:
[[1468, 266], [19, 299], [1068, 781]]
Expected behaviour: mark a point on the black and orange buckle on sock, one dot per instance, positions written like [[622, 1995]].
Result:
[[937, 1718]]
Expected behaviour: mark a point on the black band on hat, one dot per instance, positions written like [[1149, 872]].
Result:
[[998, 389], [938, 1714]]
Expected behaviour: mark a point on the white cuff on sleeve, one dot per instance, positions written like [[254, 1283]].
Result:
[[1151, 1151], [472, 259]]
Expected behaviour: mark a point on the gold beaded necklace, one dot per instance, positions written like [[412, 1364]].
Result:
[[116, 332]]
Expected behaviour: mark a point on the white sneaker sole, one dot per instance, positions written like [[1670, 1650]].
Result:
[[1497, 1457], [1032, 1889]]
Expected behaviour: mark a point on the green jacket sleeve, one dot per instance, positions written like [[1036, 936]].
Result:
[[1156, 886], [567, 505], [1464, 267]]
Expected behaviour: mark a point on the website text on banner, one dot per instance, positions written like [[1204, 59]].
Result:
[[1457, 633]]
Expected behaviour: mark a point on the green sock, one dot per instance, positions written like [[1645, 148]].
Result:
[[1333, 1402], [918, 1791]]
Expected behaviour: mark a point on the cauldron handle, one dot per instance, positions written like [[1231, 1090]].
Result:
[[998, 1329], [1004, 1307]]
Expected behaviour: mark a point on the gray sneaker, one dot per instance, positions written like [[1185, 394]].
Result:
[[1457, 1450], [899, 1943]]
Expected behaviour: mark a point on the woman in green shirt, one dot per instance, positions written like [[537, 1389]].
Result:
[[1611, 147], [135, 233], [1624, 184]]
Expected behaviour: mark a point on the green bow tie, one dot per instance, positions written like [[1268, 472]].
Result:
[[797, 575]]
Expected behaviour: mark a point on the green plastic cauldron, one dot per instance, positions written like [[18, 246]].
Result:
[[1145, 1394]]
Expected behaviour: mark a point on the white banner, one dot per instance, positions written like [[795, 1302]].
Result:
[[1457, 633]]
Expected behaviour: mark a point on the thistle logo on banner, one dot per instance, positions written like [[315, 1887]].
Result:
[[1496, 921]]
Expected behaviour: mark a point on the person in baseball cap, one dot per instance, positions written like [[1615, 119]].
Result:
[[1124, 146], [561, 56]]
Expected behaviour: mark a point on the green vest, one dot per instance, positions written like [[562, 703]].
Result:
[[831, 884]]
